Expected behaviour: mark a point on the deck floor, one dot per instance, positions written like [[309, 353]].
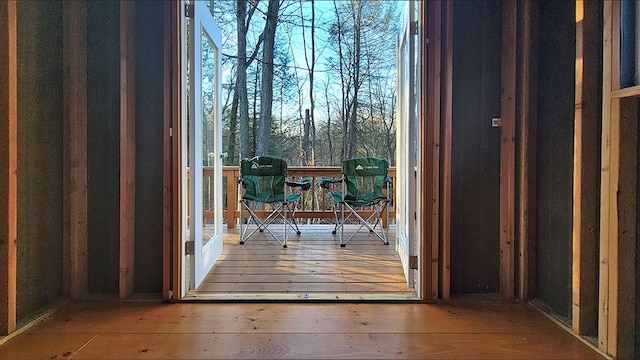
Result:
[[458, 329], [313, 266]]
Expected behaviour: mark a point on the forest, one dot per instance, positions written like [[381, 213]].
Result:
[[310, 81]]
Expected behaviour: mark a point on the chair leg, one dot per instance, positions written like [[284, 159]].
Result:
[[342, 243], [378, 208], [261, 225], [284, 223], [335, 214]]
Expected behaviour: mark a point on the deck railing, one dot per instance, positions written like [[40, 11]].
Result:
[[316, 203]]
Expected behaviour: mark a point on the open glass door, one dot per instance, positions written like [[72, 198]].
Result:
[[204, 143], [407, 146]]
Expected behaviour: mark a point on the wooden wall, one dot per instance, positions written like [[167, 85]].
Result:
[[40, 114], [103, 133], [103, 84], [556, 93], [149, 150], [475, 168]]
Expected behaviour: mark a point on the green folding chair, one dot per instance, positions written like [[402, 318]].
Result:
[[264, 180], [363, 184]]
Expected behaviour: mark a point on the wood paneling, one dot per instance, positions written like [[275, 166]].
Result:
[[103, 132], [40, 157], [475, 180], [75, 148], [556, 108], [8, 165], [586, 172]]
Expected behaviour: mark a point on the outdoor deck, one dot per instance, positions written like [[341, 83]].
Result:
[[313, 266]]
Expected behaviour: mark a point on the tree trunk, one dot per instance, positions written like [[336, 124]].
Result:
[[352, 145], [233, 129], [241, 80], [330, 143], [305, 138], [309, 141], [266, 93], [254, 117]]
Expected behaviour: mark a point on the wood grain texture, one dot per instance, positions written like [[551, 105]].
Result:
[[508, 151], [526, 152], [8, 165], [168, 106], [605, 194], [460, 329], [627, 229], [429, 107], [313, 266], [447, 119]]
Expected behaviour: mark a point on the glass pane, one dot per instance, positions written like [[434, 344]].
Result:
[[208, 135]]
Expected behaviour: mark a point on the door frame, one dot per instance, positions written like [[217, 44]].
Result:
[[429, 26]]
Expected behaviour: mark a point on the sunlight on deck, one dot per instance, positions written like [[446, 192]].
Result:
[[313, 267]]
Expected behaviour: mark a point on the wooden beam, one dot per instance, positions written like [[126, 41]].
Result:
[[8, 165], [605, 193], [430, 115], [612, 238], [526, 138], [127, 148], [586, 170], [178, 98], [507, 152], [615, 45], [75, 147], [447, 119], [627, 229], [167, 171]]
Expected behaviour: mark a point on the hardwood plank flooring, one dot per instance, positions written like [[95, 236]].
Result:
[[456, 329], [313, 266]]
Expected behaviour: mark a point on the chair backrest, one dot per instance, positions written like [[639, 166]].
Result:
[[263, 178], [365, 178]]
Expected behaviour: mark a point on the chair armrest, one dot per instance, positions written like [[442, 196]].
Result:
[[304, 183], [326, 182], [244, 182]]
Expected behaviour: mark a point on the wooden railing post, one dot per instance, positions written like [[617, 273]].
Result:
[[232, 198]]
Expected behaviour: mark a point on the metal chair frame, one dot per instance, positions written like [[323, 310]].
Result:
[[350, 207], [280, 207]]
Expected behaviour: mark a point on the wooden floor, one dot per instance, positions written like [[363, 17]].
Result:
[[312, 267], [457, 329]]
